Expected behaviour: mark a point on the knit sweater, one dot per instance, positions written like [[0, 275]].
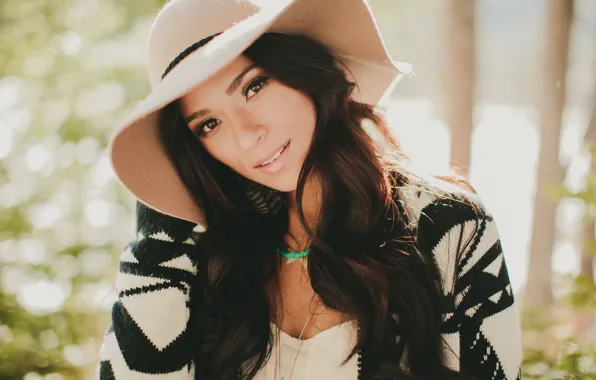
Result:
[[149, 337]]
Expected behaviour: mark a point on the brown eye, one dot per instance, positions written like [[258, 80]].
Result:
[[207, 127], [255, 86]]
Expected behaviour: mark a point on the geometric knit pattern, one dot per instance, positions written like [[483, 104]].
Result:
[[149, 336], [482, 333]]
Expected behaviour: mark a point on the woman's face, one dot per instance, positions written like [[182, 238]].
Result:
[[257, 126]]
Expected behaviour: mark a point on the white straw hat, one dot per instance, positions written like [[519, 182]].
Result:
[[347, 27]]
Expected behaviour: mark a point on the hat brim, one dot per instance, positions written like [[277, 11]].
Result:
[[137, 154]]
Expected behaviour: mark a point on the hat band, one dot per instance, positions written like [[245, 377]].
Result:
[[187, 51]]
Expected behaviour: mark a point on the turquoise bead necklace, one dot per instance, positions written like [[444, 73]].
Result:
[[293, 255]]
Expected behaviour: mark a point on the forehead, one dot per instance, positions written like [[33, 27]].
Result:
[[214, 87]]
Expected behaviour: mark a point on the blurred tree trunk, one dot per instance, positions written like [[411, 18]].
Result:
[[585, 317], [460, 80], [587, 261], [538, 293]]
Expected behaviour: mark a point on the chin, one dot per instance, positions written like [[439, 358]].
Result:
[[284, 187], [285, 182]]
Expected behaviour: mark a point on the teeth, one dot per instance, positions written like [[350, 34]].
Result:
[[275, 156]]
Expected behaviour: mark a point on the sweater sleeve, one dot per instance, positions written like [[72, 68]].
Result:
[[482, 330], [149, 335]]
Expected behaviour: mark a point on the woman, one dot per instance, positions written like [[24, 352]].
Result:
[[318, 253]]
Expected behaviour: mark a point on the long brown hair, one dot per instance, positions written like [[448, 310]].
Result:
[[362, 261]]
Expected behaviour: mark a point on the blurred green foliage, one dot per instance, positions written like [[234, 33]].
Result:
[[64, 68], [566, 356], [572, 362]]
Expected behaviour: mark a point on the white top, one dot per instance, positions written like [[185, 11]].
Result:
[[320, 357]]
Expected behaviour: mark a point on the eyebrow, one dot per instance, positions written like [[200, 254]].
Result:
[[231, 88], [236, 82]]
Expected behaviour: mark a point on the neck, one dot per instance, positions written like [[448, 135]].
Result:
[[311, 207]]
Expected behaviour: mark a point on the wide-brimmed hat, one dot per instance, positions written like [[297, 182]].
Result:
[[346, 27]]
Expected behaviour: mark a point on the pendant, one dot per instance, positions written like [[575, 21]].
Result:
[[302, 260]]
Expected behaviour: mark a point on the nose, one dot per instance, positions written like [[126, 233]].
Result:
[[248, 131]]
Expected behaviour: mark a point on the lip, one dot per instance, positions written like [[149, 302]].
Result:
[[268, 157]]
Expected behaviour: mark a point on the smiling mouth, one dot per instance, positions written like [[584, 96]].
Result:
[[274, 157]]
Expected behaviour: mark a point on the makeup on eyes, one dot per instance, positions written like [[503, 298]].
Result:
[[259, 80]]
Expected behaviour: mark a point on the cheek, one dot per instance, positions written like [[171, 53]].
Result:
[[304, 118], [294, 110]]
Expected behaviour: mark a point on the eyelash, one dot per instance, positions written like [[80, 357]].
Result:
[[258, 81]]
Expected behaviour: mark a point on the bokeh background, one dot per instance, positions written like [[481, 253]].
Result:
[[505, 91]]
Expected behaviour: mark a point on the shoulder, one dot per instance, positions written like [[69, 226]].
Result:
[[451, 224], [434, 201]]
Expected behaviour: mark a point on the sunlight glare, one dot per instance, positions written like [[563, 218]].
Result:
[[10, 91], [6, 136], [71, 43], [103, 172], [32, 251], [74, 354], [45, 215], [87, 150], [66, 154], [98, 213], [565, 258], [36, 157], [48, 339], [43, 297]]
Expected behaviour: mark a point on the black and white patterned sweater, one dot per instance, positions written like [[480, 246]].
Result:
[[149, 338]]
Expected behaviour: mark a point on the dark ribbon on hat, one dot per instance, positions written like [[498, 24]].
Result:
[[187, 51]]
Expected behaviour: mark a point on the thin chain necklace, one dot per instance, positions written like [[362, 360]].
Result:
[[291, 370], [278, 356]]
